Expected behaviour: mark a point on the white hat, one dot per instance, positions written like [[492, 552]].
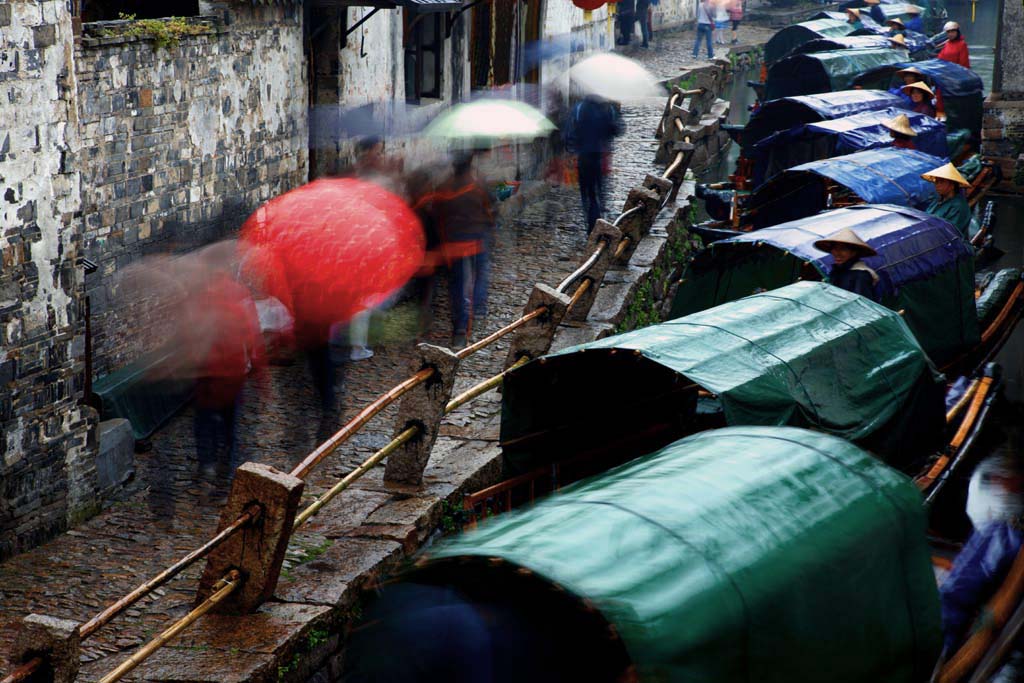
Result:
[[847, 237], [951, 26]]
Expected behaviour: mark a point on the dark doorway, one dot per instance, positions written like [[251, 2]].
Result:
[[111, 10]]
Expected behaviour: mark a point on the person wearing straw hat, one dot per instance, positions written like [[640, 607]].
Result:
[[896, 27], [848, 271], [920, 98], [951, 204], [901, 131], [955, 49], [914, 22], [853, 17], [907, 76], [897, 41]]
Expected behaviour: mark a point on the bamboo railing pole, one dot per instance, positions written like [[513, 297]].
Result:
[[356, 423], [226, 585], [495, 336]]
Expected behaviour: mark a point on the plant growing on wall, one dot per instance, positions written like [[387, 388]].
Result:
[[163, 32]]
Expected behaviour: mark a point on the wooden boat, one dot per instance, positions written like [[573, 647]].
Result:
[[722, 555], [925, 270], [874, 176], [962, 89], [821, 72], [788, 39]]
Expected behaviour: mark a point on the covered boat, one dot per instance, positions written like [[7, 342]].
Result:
[[788, 112], [876, 176], [786, 40], [822, 72], [883, 12], [925, 269], [847, 42], [769, 358], [962, 89], [724, 557], [826, 139]]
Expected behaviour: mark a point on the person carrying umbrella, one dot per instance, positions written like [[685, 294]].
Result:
[[955, 50], [848, 271], [951, 204], [901, 131], [595, 122]]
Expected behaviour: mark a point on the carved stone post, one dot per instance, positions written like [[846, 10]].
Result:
[[534, 338], [422, 407], [257, 551], [611, 235], [56, 641]]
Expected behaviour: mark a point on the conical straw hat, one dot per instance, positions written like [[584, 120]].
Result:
[[899, 40], [910, 70], [913, 9], [847, 237], [920, 85], [872, 2], [900, 124], [895, 20], [948, 172], [854, 11]]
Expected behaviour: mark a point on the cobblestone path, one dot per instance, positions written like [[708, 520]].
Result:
[[171, 511]]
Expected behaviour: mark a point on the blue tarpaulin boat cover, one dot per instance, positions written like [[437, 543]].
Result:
[[783, 42], [851, 42], [877, 176], [783, 114], [827, 139], [925, 269], [917, 43], [953, 79]]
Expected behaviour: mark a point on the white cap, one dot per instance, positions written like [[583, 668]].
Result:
[[951, 26]]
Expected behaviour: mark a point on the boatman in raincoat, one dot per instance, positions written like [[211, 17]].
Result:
[[848, 271], [951, 204], [955, 49]]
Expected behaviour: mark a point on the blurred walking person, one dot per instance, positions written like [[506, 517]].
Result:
[[627, 16], [594, 124], [721, 21], [465, 217], [735, 8], [705, 27], [225, 341], [643, 10]]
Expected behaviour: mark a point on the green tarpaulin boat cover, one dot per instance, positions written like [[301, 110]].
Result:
[[742, 554], [808, 354]]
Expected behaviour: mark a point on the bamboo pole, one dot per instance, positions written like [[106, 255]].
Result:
[[494, 336], [482, 388], [225, 586], [353, 476], [356, 423], [23, 672], [962, 403]]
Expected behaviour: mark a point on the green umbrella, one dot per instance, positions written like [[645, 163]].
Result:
[[489, 121]]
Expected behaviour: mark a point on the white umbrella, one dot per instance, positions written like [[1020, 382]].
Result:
[[612, 77], [489, 120]]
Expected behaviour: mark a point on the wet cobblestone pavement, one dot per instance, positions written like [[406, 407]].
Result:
[[171, 510]]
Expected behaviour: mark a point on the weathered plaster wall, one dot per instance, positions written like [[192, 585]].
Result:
[[1002, 133], [180, 144], [47, 472], [1009, 76]]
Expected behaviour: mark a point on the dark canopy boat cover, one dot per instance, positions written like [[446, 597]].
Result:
[[734, 555], [822, 72], [827, 139], [877, 176], [787, 112], [925, 269], [883, 12], [783, 42], [770, 358], [849, 42], [962, 89]]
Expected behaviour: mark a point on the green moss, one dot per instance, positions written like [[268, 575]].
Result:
[[163, 32]]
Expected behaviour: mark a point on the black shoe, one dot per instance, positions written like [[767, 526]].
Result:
[[458, 341]]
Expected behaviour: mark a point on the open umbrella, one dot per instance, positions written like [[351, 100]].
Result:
[[612, 77], [489, 121], [330, 249]]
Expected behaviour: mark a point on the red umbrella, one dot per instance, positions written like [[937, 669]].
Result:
[[330, 249]]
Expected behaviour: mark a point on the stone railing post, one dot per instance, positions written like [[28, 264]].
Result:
[[257, 551], [533, 339], [422, 407], [55, 641], [611, 235]]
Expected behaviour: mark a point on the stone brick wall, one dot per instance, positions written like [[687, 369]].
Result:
[[1002, 134], [179, 144], [47, 471]]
